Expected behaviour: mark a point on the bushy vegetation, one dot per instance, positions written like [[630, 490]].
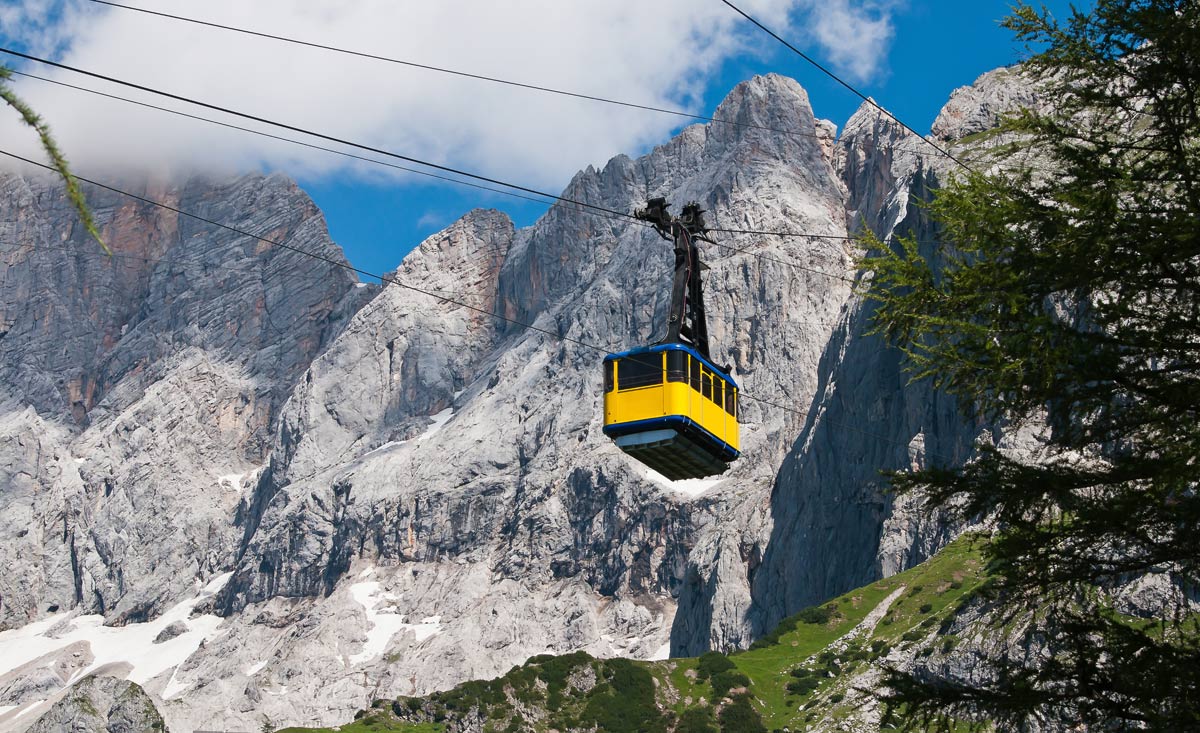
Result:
[[750, 691], [806, 681], [712, 663], [740, 716], [624, 702], [816, 615], [723, 682], [696, 720]]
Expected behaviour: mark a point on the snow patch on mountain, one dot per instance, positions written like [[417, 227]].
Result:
[[439, 421], [385, 622], [255, 668], [131, 647], [234, 480]]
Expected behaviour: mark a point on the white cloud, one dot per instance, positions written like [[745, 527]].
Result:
[[433, 220], [855, 36], [660, 54]]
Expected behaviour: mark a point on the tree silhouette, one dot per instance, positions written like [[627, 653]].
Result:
[[1067, 300]]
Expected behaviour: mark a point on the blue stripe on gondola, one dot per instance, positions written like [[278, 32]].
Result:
[[726, 451], [672, 347]]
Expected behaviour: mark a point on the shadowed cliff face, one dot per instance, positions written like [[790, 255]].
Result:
[[835, 524], [130, 384]]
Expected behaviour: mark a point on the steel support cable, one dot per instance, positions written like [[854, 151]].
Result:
[[468, 75], [391, 281], [328, 260], [185, 259], [598, 210], [611, 212], [939, 149], [344, 265], [535, 87], [313, 133], [846, 84], [261, 133], [171, 260]]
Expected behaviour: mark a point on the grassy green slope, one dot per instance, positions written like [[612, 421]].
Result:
[[374, 722], [798, 675]]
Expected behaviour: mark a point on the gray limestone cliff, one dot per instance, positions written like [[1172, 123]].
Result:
[[435, 463], [129, 385], [102, 705], [359, 492], [835, 525]]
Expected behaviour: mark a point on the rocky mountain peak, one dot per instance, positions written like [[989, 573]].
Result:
[[80, 324], [979, 107], [769, 100], [132, 384], [476, 243]]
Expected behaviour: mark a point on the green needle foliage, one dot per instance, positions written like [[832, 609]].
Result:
[[1069, 297], [31, 118]]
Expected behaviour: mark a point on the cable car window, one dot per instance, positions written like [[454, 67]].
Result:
[[608, 375], [706, 385], [676, 366], [640, 371], [718, 393], [694, 373], [731, 401]]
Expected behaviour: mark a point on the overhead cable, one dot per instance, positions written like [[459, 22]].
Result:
[[385, 280], [347, 266], [280, 138], [315, 255], [428, 67], [313, 133], [846, 84], [612, 213]]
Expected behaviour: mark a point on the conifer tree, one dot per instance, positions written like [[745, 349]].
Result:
[[1067, 299]]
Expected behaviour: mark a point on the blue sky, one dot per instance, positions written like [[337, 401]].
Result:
[[938, 45], [907, 54]]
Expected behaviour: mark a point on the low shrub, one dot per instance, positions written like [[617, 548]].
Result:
[[803, 685], [817, 614], [725, 681], [740, 717], [697, 720], [711, 663], [627, 704]]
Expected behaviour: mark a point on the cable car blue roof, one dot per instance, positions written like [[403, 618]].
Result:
[[659, 348]]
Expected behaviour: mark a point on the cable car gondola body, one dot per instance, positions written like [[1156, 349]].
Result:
[[668, 404], [672, 409]]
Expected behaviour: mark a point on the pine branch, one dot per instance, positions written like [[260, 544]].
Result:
[[57, 159]]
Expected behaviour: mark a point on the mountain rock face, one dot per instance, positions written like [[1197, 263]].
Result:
[[834, 523], [389, 491], [101, 705], [129, 385]]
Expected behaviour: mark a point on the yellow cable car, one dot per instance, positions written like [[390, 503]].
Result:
[[672, 409], [668, 405]]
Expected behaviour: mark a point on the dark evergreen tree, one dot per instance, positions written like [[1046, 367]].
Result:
[[1068, 295]]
